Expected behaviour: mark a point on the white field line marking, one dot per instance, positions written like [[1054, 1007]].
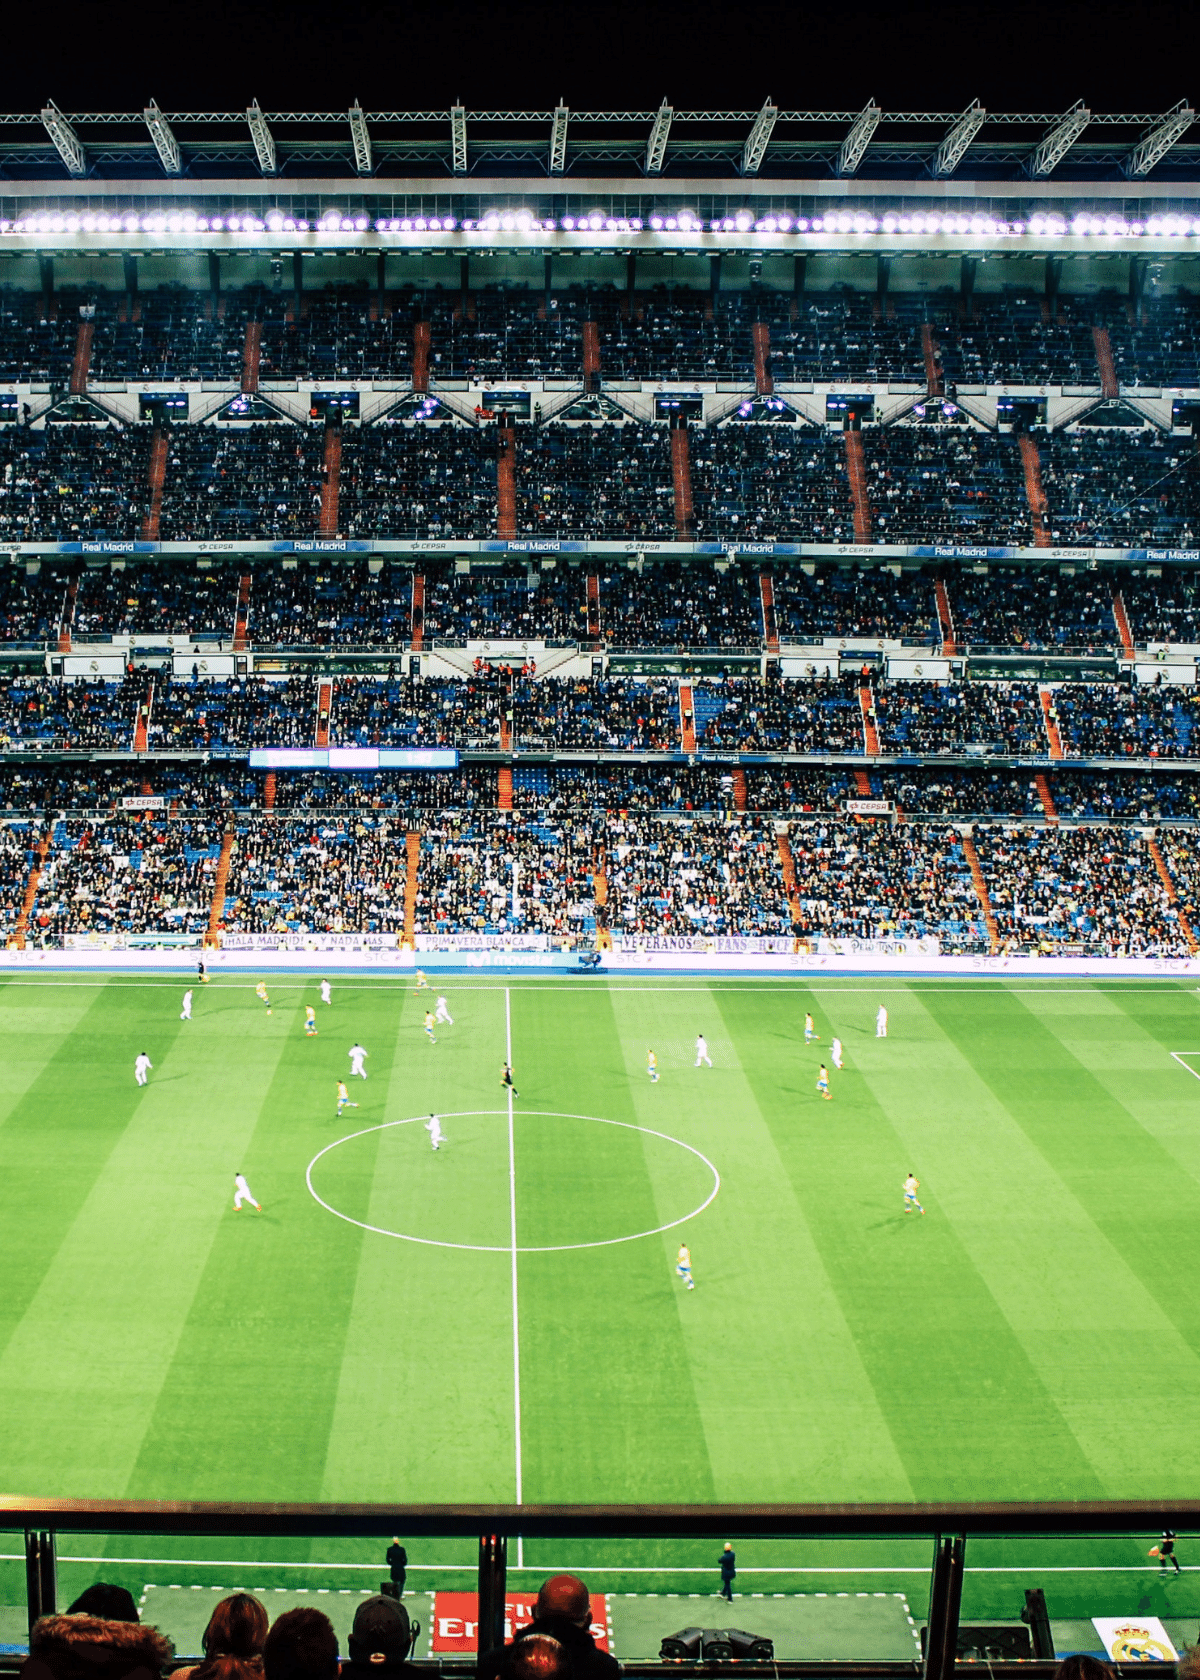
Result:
[[635, 1569], [820, 982], [512, 1233], [505, 1248], [1178, 1055]]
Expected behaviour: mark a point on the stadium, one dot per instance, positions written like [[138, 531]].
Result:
[[599, 797]]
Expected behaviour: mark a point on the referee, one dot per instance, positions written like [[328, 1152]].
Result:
[[1166, 1551]]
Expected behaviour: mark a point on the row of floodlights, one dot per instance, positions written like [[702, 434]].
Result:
[[522, 221]]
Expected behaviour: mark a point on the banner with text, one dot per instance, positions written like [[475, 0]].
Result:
[[456, 1619]]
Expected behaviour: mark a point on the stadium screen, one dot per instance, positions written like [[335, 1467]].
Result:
[[9, 409], [669, 403], [323, 403], [516, 404], [354, 758], [839, 406], [163, 405]]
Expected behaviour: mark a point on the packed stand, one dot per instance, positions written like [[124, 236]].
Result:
[[318, 875], [406, 479], [506, 333], [242, 712], [1125, 796], [606, 713], [563, 788], [1120, 487], [415, 712], [173, 598], [875, 880], [1162, 609], [769, 482], [799, 715], [520, 872], [548, 604], [131, 874], [1095, 890], [696, 875], [1107, 720], [934, 484], [686, 606], [81, 715], [835, 602], [19, 838], [1036, 611], [255, 481], [1021, 338], [330, 603], [990, 717], [608, 481], [71, 483], [412, 791], [32, 599], [338, 333]]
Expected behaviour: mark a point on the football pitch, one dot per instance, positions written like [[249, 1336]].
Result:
[[501, 1320]]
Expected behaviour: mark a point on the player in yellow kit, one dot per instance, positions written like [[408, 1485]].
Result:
[[429, 1033], [260, 991], [344, 1097], [310, 1021], [652, 1066], [683, 1266]]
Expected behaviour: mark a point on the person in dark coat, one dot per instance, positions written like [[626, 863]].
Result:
[[563, 1612], [728, 1571], [396, 1559]]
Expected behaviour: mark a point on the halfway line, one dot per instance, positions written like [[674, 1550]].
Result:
[[512, 1227]]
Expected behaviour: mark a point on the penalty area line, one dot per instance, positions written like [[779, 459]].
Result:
[[633, 1568]]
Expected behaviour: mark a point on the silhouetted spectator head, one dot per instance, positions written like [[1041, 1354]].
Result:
[[301, 1646], [566, 1596], [536, 1657], [1082, 1667], [82, 1647], [236, 1628], [382, 1635], [111, 1604]]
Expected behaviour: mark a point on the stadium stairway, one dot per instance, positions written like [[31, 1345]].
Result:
[[1121, 619], [856, 473], [945, 617], [67, 622], [593, 608], [787, 865], [739, 789], [600, 896], [418, 612], [1160, 863], [31, 887], [760, 334], [412, 851], [687, 717], [1053, 738], [82, 360], [216, 910], [241, 615], [1034, 494], [1104, 361], [681, 481], [862, 784], [421, 342], [504, 788], [591, 357], [156, 477], [141, 725], [251, 356], [324, 712], [506, 483], [866, 705], [935, 384], [331, 476], [1042, 783], [981, 892], [269, 791], [770, 620]]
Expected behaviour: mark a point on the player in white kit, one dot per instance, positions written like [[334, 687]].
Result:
[[835, 1052], [443, 1014], [356, 1062], [242, 1193], [142, 1067], [185, 1013], [434, 1127], [881, 1022], [326, 995], [702, 1050]]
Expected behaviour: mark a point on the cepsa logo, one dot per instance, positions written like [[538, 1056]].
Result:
[[456, 1619]]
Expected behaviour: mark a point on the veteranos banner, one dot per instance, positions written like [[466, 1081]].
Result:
[[778, 945]]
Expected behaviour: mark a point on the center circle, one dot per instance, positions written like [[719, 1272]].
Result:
[[396, 1183]]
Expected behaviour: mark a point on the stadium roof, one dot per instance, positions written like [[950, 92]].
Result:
[[1074, 143]]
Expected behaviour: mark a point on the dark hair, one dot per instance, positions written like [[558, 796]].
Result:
[[536, 1657], [111, 1604], [301, 1646], [226, 1667], [1080, 1666], [236, 1628]]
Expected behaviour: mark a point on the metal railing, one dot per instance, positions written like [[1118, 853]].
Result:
[[949, 1527]]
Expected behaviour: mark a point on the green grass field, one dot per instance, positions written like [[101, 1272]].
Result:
[[1035, 1335]]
